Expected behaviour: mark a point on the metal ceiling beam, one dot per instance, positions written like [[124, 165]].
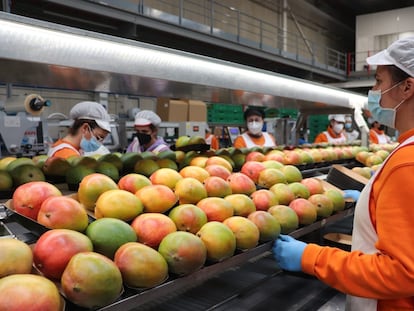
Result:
[[308, 7], [150, 23]]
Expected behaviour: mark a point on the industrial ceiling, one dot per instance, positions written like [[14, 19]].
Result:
[[334, 16]]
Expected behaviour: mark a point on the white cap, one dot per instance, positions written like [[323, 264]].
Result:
[[337, 117], [400, 53], [91, 111], [147, 117]]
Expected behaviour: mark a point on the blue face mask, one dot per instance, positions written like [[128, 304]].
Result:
[[348, 126], [385, 116], [90, 145]]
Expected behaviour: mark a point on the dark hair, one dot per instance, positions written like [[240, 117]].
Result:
[[397, 75], [73, 130], [153, 127], [254, 112]]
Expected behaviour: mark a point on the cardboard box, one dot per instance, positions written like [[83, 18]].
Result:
[[172, 110], [197, 111]]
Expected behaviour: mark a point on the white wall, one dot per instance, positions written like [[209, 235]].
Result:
[[376, 31]]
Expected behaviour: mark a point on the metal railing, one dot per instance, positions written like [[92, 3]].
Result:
[[212, 18], [357, 65]]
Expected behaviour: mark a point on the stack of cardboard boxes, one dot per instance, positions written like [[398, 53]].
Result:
[[173, 110]]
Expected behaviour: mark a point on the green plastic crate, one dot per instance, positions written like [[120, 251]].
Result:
[[225, 108], [271, 112], [317, 124], [225, 117], [288, 113], [225, 113]]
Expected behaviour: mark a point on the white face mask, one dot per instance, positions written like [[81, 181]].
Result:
[[338, 127], [255, 127]]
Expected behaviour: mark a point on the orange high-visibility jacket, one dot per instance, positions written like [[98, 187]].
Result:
[[333, 138], [64, 149], [239, 142], [377, 137]]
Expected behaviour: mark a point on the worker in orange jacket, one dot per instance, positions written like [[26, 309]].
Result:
[[334, 134], [254, 135], [377, 134], [91, 124], [378, 272], [211, 139]]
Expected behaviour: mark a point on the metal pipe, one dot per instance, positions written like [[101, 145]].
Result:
[[38, 53]]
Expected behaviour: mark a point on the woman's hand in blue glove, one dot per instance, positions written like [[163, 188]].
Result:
[[287, 252], [352, 194]]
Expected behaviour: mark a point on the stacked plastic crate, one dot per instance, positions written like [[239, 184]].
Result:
[[226, 114], [317, 124], [288, 113]]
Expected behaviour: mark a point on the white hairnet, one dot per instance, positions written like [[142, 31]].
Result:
[[91, 111], [337, 117], [147, 117]]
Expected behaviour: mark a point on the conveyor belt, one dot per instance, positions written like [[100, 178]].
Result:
[[315, 169], [255, 286]]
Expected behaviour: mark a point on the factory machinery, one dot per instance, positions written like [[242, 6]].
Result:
[[22, 128], [130, 68], [26, 131], [81, 60], [249, 280]]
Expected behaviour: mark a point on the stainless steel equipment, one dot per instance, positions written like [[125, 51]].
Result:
[[22, 128], [283, 129], [124, 66], [233, 132], [192, 129]]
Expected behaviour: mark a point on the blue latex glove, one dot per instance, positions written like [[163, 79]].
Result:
[[287, 252], [352, 194]]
